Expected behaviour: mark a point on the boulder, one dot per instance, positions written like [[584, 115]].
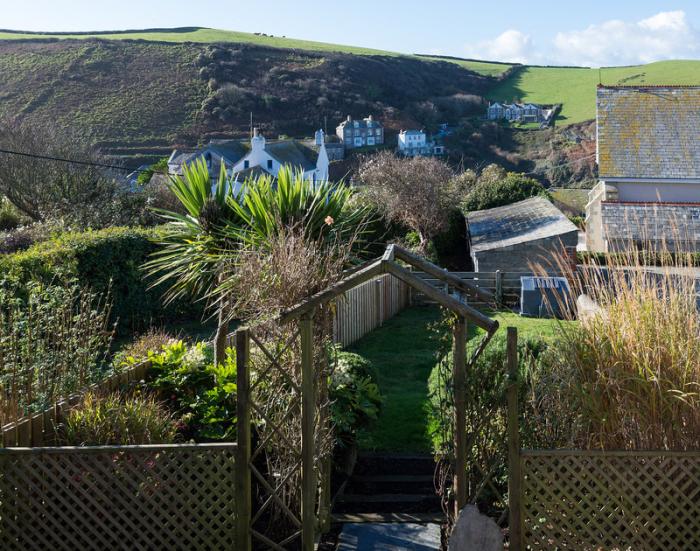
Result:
[[475, 532]]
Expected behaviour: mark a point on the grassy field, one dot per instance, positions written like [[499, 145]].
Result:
[[404, 353], [575, 88], [574, 199], [206, 36]]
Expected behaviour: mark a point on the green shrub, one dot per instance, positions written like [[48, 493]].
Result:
[[202, 395], [489, 193], [9, 217], [354, 394], [102, 260], [118, 419]]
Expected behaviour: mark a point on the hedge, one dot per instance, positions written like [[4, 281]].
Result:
[[102, 260]]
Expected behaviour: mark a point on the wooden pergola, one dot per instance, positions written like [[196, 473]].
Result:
[[394, 261]]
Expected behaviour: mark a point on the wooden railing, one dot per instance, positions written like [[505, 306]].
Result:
[[367, 306], [40, 428], [505, 286]]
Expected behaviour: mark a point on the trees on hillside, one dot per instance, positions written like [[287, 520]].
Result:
[[417, 192]]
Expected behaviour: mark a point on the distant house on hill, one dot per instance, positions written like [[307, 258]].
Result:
[[360, 133], [518, 112], [648, 154], [415, 143], [259, 156], [511, 237]]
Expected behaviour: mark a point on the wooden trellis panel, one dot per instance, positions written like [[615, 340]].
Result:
[[170, 497], [589, 500]]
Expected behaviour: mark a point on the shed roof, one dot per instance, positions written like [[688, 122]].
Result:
[[649, 132], [521, 222]]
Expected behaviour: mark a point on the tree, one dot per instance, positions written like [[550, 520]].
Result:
[[495, 191], [80, 194], [203, 248], [417, 192]]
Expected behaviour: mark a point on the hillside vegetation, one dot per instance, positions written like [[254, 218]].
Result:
[[575, 88], [141, 97], [210, 36]]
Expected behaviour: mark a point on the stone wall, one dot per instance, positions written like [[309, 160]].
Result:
[[675, 226], [518, 258]]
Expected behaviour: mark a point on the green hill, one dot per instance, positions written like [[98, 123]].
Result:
[[575, 88], [210, 36]]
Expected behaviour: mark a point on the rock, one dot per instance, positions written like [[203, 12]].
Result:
[[475, 532]]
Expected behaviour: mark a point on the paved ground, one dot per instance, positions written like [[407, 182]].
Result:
[[389, 537]]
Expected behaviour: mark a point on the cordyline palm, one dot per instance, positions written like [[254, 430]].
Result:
[[195, 247], [201, 247]]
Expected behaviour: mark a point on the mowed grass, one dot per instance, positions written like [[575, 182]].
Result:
[[207, 36], [575, 88], [574, 199], [404, 352]]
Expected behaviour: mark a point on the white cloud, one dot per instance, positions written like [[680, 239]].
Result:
[[512, 45], [666, 35]]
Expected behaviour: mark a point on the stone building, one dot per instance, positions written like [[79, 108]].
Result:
[[512, 237], [648, 154], [360, 133]]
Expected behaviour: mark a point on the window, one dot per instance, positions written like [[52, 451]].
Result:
[[246, 165], [269, 164]]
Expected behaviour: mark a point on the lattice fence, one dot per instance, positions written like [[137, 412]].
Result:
[[124, 497], [611, 500]]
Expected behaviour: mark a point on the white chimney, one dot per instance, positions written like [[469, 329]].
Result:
[[257, 143]]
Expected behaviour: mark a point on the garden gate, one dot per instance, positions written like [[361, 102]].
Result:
[[282, 379]]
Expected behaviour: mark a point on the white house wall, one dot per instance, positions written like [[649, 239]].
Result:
[[650, 192]]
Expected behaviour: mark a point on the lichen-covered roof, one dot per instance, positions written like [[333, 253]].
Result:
[[649, 132], [292, 153], [521, 222]]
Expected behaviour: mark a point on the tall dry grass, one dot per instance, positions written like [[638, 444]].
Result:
[[628, 373]]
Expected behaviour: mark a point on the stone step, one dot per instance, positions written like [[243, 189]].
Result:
[[388, 503], [389, 518], [391, 484], [378, 464]]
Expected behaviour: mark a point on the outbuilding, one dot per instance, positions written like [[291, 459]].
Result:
[[513, 237]]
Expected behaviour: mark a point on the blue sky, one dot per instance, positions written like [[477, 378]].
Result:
[[590, 33]]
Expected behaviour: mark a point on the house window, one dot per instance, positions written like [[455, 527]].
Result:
[[269, 164], [246, 165]]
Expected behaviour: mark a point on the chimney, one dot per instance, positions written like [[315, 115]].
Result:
[[257, 143]]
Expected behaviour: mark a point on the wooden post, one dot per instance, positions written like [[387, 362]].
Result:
[[308, 414], [324, 506], [499, 288], [514, 466], [459, 361], [378, 301], [243, 478]]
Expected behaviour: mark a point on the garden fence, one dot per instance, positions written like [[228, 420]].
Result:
[[39, 429], [610, 500], [117, 497], [367, 306], [595, 499]]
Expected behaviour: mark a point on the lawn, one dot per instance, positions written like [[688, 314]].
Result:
[[404, 352], [206, 36], [575, 88], [573, 199]]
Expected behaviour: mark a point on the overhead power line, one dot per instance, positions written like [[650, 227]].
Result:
[[70, 161]]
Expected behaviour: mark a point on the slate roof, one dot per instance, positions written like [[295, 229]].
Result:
[[649, 132], [292, 153], [521, 222]]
